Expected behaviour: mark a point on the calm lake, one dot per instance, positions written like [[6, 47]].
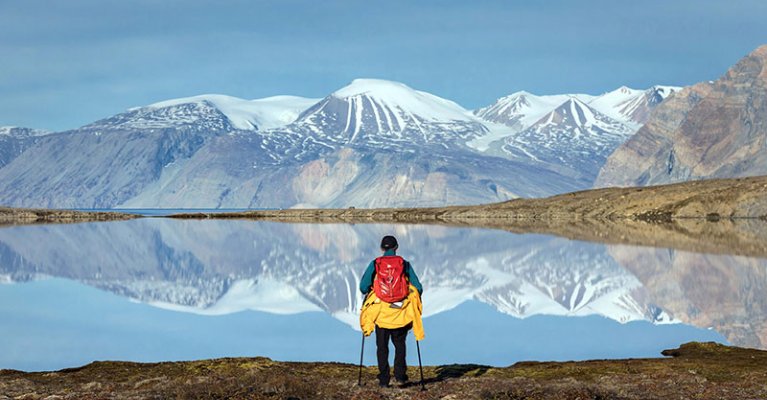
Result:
[[160, 289]]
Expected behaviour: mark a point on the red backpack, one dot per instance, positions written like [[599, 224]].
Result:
[[390, 284]]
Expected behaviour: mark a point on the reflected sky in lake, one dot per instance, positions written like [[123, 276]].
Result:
[[160, 289]]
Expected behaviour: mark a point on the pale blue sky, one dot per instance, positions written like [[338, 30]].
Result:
[[67, 63]]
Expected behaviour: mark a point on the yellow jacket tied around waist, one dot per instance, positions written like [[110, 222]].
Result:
[[390, 316]]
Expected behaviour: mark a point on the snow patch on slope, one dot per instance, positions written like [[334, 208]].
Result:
[[266, 113], [631, 106], [522, 109], [574, 135], [19, 132], [395, 95], [516, 112]]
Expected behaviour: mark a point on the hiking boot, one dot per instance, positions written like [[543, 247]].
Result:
[[401, 382], [383, 384]]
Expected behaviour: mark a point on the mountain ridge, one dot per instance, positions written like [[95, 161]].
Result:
[[709, 130], [364, 142], [15, 140]]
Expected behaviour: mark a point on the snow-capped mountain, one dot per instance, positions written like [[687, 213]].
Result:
[[573, 137], [523, 117], [373, 111], [631, 106], [15, 140], [115, 159], [98, 166], [21, 133], [361, 146], [522, 109], [372, 143], [210, 112]]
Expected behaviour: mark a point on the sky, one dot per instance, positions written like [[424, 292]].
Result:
[[67, 63]]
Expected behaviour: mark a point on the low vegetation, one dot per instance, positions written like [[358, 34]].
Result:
[[695, 370]]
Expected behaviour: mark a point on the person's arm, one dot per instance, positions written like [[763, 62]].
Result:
[[367, 278], [412, 277]]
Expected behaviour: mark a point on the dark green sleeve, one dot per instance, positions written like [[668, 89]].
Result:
[[367, 278], [412, 277]]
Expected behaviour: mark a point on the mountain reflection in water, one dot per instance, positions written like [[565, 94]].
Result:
[[490, 296]]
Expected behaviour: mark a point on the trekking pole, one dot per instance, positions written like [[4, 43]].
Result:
[[420, 366], [359, 379]]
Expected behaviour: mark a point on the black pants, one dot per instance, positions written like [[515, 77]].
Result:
[[382, 343]]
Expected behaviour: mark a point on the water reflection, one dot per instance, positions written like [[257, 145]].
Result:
[[728, 293], [491, 296]]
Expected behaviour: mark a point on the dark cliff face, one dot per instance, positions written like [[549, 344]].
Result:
[[709, 130]]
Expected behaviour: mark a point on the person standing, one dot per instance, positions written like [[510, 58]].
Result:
[[390, 277]]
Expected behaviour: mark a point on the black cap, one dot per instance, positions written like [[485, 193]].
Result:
[[388, 243]]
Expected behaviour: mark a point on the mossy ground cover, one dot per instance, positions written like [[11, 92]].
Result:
[[694, 371]]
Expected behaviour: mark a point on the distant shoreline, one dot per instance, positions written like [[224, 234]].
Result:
[[715, 199], [716, 216], [27, 216]]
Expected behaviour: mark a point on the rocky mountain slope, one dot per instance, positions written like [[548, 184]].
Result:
[[363, 146], [373, 143], [625, 105], [574, 139], [624, 109], [709, 130], [571, 134], [15, 140], [260, 114], [105, 163]]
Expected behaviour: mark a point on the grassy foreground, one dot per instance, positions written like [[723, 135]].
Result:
[[693, 371]]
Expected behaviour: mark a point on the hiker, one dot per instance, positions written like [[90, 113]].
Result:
[[392, 307]]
